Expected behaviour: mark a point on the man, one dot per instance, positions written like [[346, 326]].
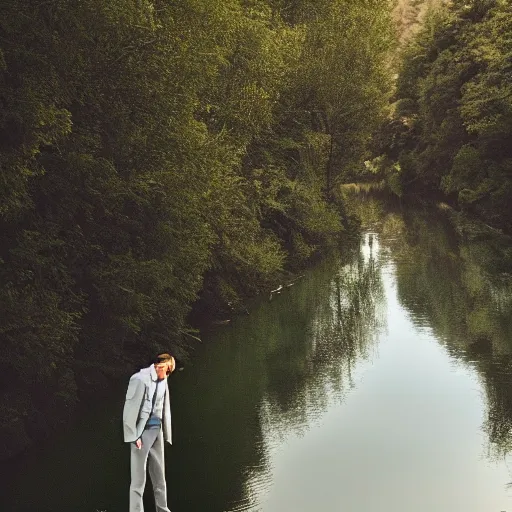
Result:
[[146, 424]]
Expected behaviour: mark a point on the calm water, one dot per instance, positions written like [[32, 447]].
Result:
[[380, 382]]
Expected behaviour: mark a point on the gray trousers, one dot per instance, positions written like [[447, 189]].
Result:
[[151, 455]]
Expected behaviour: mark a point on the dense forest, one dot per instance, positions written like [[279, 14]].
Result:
[[451, 130], [161, 158]]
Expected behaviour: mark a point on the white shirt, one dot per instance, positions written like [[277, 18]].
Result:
[[160, 390]]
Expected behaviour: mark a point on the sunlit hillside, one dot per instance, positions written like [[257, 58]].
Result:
[[409, 14]]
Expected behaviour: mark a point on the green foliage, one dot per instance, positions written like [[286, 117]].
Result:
[[454, 87], [467, 170], [154, 153], [347, 96]]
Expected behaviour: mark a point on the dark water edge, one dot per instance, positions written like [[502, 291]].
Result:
[[270, 377], [95, 378]]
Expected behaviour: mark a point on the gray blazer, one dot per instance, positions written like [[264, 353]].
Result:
[[138, 403]]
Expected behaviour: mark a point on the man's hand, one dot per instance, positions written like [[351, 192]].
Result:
[[138, 444]]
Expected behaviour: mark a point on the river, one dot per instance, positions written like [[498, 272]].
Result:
[[381, 381]]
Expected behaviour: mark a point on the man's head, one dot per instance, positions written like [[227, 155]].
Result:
[[164, 365]]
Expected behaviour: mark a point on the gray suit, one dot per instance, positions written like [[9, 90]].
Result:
[[137, 410]]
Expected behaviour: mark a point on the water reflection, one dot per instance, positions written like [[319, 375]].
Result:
[[454, 277], [341, 306], [342, 310], [273, 374]]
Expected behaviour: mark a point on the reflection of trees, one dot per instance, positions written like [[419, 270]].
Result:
[[343, 300], [498, 385], [277, 370], [298, 352], [455, 284]]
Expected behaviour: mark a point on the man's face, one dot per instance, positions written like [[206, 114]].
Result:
[[162, 369]]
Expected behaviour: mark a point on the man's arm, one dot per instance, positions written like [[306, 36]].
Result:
[[132, 405]]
